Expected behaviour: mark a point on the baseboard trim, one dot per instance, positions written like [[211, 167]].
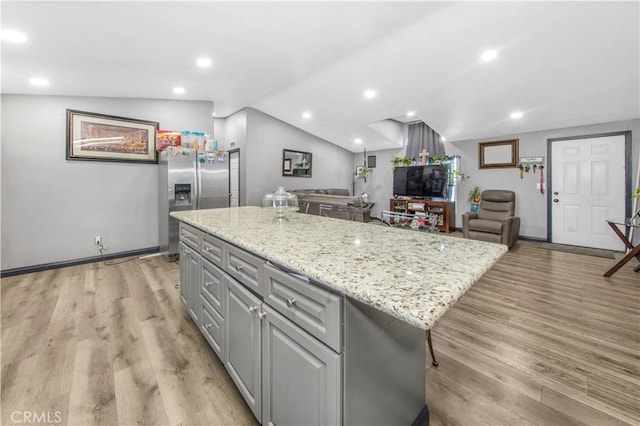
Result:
[[522, 237], [56, 265]]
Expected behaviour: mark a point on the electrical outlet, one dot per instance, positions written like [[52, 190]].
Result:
[[98, 240]]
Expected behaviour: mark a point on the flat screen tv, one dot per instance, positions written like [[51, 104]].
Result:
[[428, 181]]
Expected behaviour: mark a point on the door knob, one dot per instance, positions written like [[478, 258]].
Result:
[[262, 315], [253, 309], [291, 302], [555, 200], [556, 193]]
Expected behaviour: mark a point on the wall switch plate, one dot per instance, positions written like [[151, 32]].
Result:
[[98, 240]]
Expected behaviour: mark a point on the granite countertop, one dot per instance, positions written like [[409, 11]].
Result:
[[413, 276]]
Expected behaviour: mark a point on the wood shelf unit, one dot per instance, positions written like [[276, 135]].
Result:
[[444, 210]]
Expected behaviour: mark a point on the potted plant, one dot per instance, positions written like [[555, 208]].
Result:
[[400, 161], [474, 195], [438, 159], [636, 194]]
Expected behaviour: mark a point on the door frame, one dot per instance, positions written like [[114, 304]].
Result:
[[627, 171], [233, 151]]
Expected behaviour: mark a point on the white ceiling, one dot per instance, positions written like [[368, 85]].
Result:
[[560, 63]]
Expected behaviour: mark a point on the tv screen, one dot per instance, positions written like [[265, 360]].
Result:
[[420, 181]]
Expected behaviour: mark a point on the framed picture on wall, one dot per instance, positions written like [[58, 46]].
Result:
[[499, 154], [100, 137]]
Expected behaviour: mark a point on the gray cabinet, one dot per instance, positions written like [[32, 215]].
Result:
[[315, 309], [190, 281], [243, 347], [213, 329], [301, 376], [278, 335]]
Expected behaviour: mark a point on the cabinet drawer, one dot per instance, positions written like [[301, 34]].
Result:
[[190, 236], [213, 329], [213, 285], [314, 309], [244, 267], [213, 250]]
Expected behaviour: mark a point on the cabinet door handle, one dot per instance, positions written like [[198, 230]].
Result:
[[261, 315], [253, 309], [208, 283], [291, 302], [185, 251], [208, 325], [238, 268]]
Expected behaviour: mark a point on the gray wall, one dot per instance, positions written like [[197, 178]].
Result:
[[53, 208], [531, 204], [261, 139]]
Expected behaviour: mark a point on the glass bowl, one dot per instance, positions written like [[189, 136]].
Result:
[[282, 203]]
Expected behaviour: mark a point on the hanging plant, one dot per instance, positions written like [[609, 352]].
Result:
[[363, 172], [400, 161], [636, 194]]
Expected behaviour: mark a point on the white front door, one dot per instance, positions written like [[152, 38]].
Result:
[[588, 187], [234, 178]]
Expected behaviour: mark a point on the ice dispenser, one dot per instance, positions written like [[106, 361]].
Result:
[[182, 194]]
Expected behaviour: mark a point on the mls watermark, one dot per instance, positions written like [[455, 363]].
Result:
[[27, 417]]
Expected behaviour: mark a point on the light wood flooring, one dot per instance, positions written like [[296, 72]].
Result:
[[541, 339]]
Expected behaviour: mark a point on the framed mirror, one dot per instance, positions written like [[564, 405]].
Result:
[[499, 154], [296, 163]]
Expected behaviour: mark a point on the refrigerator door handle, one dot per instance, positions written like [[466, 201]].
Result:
[[198, 180]]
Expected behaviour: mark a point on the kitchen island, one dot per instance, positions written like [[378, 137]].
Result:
[[333, 311]]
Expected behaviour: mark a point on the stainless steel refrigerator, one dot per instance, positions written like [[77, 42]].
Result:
[[188, 180]]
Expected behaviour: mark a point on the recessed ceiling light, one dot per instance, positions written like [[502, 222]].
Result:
[[178, 90], [204, 62], [369, 94], [411, 113], [213, 114], [306, 114], [442, 138], [38, 81], [13, 36], [489, 55], [357, 140], [516, 114]]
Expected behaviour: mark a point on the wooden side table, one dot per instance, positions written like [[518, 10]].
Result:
[[633, 251]]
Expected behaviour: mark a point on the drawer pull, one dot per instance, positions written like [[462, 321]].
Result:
[[208, 325], [253, 309], [261, 315], [291, 303], [208, 249], [239, 268], [185, 251], [208, 284]]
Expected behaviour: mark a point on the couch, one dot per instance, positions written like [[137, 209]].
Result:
[[311, 200]]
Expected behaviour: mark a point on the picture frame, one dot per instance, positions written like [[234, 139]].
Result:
[[498, 154], [371, 161], [100, 137], [287, 166], [296, 163]]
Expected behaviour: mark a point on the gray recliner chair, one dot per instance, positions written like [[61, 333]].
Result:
[[495, 221]]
